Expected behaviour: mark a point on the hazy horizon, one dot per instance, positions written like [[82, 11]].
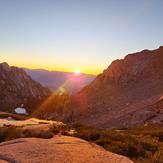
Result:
[[73, 35]]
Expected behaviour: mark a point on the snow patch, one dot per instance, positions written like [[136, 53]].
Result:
[[21, 111]]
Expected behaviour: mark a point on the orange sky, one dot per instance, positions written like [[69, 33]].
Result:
[[38, 63]]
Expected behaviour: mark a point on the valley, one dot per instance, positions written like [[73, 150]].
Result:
[[120, 110], [81, 81]]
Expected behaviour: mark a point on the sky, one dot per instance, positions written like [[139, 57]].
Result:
[[68, 35]]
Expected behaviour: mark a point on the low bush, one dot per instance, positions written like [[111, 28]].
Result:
[[141, 143]]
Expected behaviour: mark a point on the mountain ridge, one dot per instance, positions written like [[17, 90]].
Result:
[[18, 89], [124, 92]]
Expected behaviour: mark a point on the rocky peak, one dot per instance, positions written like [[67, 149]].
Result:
[[18, 88], [144, 64], [5, 66], [125, 94]]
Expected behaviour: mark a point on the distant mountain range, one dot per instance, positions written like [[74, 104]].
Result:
[[55, 80]]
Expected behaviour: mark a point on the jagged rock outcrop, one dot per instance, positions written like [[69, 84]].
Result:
[[125, 93], [18, 89]]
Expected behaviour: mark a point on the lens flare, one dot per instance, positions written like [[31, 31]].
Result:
[[77, 71]]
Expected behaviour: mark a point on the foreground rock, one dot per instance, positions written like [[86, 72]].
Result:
[[28, 122], [56, 150], [35, 128]]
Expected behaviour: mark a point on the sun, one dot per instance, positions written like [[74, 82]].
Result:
[[77, 71]]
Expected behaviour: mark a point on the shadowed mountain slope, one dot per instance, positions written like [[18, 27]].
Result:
[[127, 93], [18, 89]]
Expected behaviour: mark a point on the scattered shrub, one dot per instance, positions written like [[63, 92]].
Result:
[[143, 144], [140, 143]]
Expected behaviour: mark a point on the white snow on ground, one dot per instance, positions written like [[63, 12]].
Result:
[[21, 111], [28, 122]]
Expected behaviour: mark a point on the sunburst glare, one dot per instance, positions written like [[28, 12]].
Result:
[[77, 71]]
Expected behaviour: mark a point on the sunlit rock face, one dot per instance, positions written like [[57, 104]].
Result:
[[17, 87], [56, 107], [123, 94]]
